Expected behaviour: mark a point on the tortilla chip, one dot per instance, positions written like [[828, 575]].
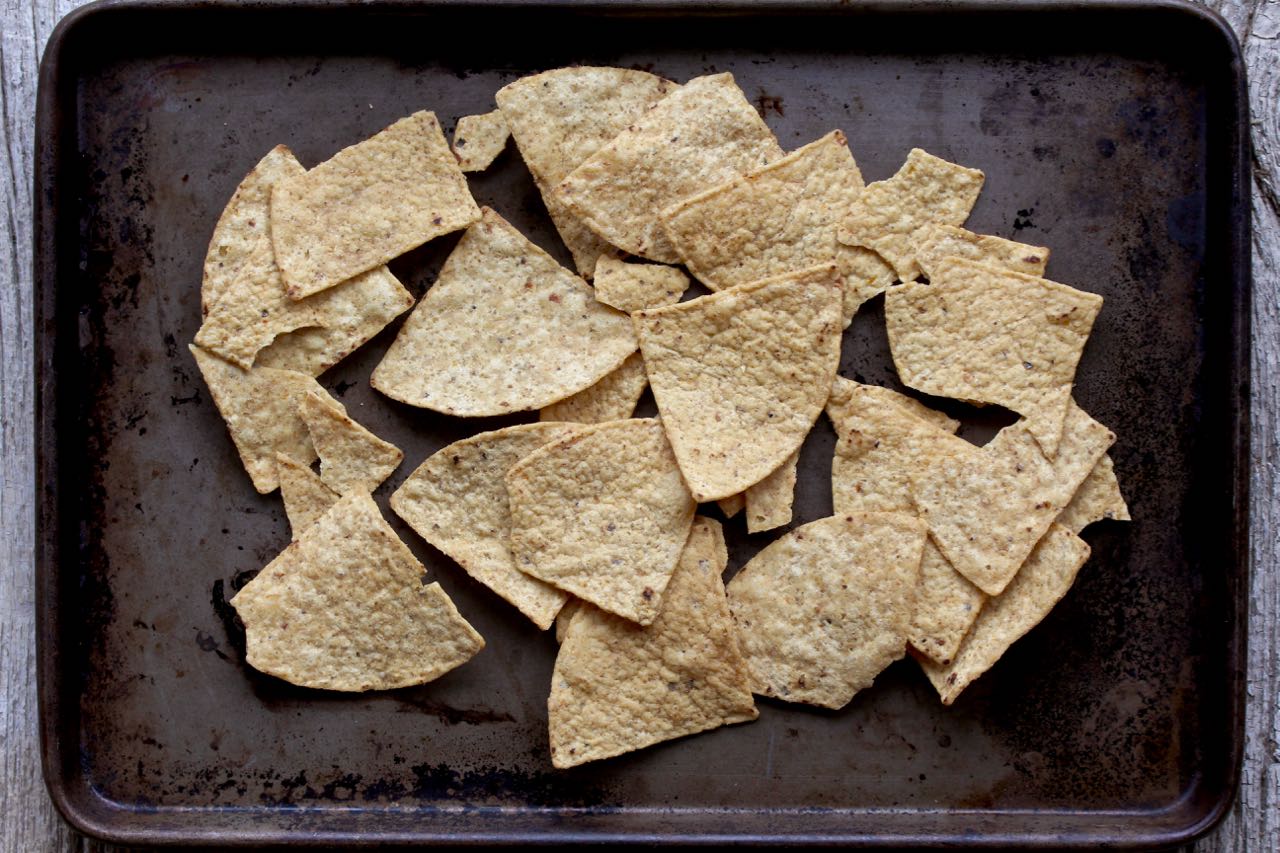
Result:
[[946, 607], [305, 495], [980, 333], [945, 241], [866, 274], [602, 514], [571, 608], [733, 504], [260, 407], [478, 140], [925, 190], [740, 376], [352, 459], [368, 204], [986, 512], [635, 287], [344, 608], [700, 135], [243, 224], [825, 608], [560, 118], [613, 398], [620, 687], [457, 501], [769, 501], [1040, 584], [504, 329], [1097, 498]]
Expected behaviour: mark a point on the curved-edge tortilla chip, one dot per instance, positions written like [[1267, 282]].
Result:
[[352, 459], [741, 375], [344, 608], [619, 687], [701, 135], [367, 204], [613, 398], [769, 501], [478, 140], [946, 241], [602, 514], [503, 329], [986, 334], [824, 609], [305, 495], [1097, 498], [635, 287], [457, 501], [1041, 583]]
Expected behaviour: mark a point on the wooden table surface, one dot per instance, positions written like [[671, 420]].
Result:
[[28, 821]]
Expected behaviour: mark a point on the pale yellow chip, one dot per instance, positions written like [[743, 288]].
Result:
[[344, 608], [503, 329], [699, 136], [368, 204], [560, 118], [619, 687], [352, 459], [1043, 580], [946, 241], [926, 190], [993, 336], [571, 608], [305, 495], [824, 609], [946, 607], [613, 398], [602, 514], [740, 376], [478, 140], [260, 407], [769, 501], [634, 287], [1097, 498], [987, 512], [733, 504], [457, 501], [242, 227], [866, 274]]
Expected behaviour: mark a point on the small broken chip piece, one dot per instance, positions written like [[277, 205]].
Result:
[[635, 287], [343, 607], [701, 135], [824, 609], [927, 189], [1043, 580], [503, 329], [980, 333], [618, 687], [936, 242], [559, 118], [564, 618], [613, 398], [866, 275], [457, 501], [741, 375], [1097, 498], [368, 204], [732, 505], [352, 459], [305, 495], [478, 140], [602, 513], [769, 501]]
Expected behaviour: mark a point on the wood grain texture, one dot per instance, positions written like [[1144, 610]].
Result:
[[28, 821]]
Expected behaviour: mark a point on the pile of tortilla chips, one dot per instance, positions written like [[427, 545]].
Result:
[[724, 272]]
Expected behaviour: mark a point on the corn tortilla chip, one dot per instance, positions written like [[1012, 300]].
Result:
[[478, 140], [1097, 498], [305, 495], [352, 459], [825, 608], [980, 333], [457, 501], [504, 329], [602, 514], [571, 608], [733, 504], [769, 501], [619, 687], [1041, 583], [866, 274], [946, 607], [945, 241], [740, 376], [634, 287], [700, 135], [368, 204], [613, 398], [344, 608]]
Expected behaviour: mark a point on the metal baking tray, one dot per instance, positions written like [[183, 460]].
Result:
[[1113, 132]]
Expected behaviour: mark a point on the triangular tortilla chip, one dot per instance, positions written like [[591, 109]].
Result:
[[825, 608], [985, 334], [945, 241], [352, 459], [344, 608], [733, 504], [305, 495], [613, 398], [740, 376], [602, 513], [946, 606], [1097, 498], [769, 501], [260, 407], [560, 118], [620, 687], [866, 274], [457, 501], [367, 204], [1040, 584], [478, 140], [504, 329], [564, 618], [635, 287], [701, 135]]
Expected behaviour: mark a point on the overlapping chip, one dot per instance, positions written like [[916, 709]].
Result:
[[305, 495], [634, 287], [613, 398], [768, 502], [936, 242], [352, 459], [479, 139], [1097, 498]]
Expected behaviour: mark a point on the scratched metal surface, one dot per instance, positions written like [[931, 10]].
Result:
[[1116, 717]]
